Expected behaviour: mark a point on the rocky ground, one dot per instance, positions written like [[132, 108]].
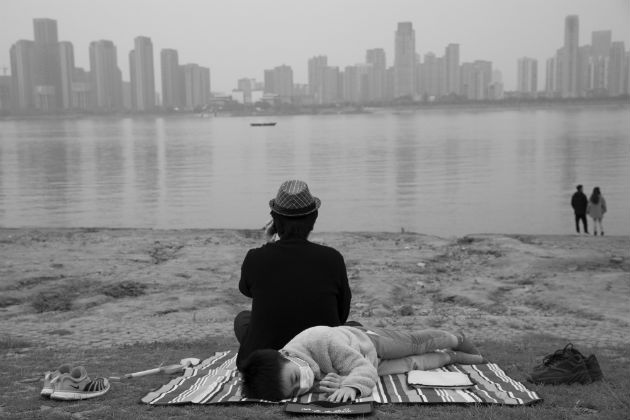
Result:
[[105, 287]]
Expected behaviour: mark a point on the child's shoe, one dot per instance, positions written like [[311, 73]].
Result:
[[77, 385], [50, 376]]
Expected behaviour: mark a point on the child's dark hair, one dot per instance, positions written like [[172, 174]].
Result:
[[294, 227], [261, 375]]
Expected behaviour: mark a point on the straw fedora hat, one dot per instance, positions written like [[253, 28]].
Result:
[[294, 199]]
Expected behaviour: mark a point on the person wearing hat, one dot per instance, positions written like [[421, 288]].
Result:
[[579, 203], [294, 284]]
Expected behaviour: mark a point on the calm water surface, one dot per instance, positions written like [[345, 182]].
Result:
[[443, 172]]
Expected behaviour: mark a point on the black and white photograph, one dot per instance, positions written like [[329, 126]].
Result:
[[268, 208]]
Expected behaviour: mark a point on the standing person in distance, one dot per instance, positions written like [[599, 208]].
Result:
[[294, 284], [596, 209], [579, 203]]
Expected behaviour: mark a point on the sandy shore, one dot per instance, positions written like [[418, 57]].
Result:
[[185, 282]]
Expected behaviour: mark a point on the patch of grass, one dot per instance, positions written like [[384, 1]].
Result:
[[9, 342], [20, 396], [124, 289], [9, 301], [52, 300]]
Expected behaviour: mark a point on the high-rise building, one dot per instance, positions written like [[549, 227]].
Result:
[[570, 77], [279, 80], [405, 60], [617, 69], [451, 64], [527, 77], [355, 83], [66, 63], [22, 55], [144, 76], [105, 76], [600, 43], [584, 79], [331, 85], [172, 79], [430, 76], [47, 70], [196, 85], [45, 31], [377, 74], [476, 79], [550, 77], [598, 63], [6, 83], [81, 89], [316, 69]]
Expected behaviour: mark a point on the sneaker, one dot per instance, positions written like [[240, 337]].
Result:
[[565, 366], [49, 376], [77, 385], [594, 370]]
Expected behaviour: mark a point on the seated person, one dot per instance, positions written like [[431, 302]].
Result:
[[294, 284], [346, 361]]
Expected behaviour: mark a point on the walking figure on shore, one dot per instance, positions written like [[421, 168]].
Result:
[[596, 209], [579, 202]]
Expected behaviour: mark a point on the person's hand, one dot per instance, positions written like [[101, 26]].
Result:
[[270, 230], [330, 383], [343, 394]]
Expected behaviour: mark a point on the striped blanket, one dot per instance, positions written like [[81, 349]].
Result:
[[216, 380]]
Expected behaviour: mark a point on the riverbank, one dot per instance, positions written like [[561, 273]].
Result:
[[107, 287]]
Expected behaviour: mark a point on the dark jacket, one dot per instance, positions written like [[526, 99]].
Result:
[[579, 203], [294, 284]]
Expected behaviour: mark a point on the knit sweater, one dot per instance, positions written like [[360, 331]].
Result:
[[343, 350]]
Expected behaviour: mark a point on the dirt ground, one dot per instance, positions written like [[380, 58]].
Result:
[[105, 287]]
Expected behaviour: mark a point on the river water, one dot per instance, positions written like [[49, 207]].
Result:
[[445, 172]]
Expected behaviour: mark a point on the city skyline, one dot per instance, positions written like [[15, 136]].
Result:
[[283, 34]]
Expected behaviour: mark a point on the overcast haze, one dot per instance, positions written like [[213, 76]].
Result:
[[241, 38]]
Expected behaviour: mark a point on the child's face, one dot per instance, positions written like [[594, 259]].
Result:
[[296, 377], [290, 379]]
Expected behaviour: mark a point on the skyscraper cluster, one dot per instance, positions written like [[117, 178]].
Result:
[[44, 78], [597, 70], [409, 78]]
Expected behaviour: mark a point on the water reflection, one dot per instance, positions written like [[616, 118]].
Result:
[[438, 172]]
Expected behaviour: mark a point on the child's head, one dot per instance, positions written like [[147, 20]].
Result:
[[268, 375]]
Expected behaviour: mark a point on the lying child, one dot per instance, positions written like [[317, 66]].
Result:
[[346, 361]]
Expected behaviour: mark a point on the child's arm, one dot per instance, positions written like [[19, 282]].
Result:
[[355, 370]]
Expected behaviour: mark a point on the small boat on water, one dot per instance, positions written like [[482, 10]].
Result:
[[263, 124]]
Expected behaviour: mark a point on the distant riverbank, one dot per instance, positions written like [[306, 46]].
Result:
[[404, 106]]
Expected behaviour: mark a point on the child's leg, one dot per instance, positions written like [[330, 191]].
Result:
[[420, 362], [391, 344], [427, 361]]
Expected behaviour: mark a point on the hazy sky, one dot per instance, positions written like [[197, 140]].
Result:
[[241, 38]]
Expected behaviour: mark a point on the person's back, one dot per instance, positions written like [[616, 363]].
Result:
[[294, 283]]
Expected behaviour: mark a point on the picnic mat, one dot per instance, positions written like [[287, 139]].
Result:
[[217, 381]]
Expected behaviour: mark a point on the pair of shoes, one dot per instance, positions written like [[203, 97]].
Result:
[[566, 366], [68, 383]]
